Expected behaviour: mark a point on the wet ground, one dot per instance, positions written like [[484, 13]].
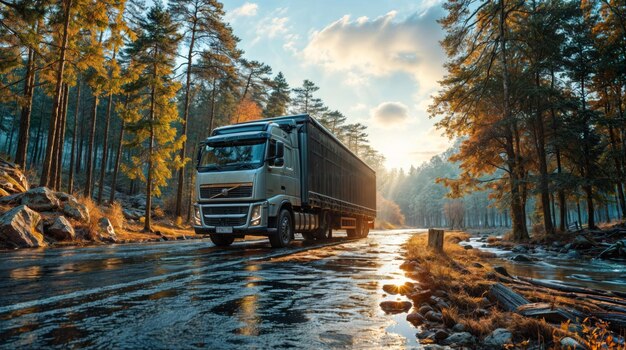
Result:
[[548, 265], [194, 295]]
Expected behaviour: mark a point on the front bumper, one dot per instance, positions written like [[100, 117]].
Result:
[[236, 216]]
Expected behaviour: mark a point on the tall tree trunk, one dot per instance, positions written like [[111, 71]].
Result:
[[90, 149], [543, 165], [116, 168], [183, 149], [618, 169], [59, 171], [213, 94], [29, 87], [70, 180], [35, 154], [147, 221], [105, 143], [47, 165], [54, 172]]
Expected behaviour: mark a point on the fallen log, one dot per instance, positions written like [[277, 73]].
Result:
[[506, 297], [564, 287], [548, 312], [617, 320]]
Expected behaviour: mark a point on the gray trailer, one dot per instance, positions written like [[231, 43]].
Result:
[[279, 176]]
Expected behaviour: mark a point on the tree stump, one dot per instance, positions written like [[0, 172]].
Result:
[[435, 239]]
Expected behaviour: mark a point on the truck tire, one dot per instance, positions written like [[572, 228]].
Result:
[[284, 230], [221, 240], [365, 230]]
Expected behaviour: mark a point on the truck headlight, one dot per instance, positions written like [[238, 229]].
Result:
[[197, 221], [255, 218]]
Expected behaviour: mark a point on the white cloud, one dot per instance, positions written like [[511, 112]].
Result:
[[390, 113], [249, 9], [381, 46]]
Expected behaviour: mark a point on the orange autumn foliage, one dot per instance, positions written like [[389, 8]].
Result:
[[246, 110]]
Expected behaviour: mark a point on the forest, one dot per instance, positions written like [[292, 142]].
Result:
[[116, 94], [534, 91]]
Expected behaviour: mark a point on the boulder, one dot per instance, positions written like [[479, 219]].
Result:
[[468, 247], [75, 210], [433, 316], [19, 227], [459, 339], [519, 249], [12, 180], [441, 334], [394, 307], [424, 309], [582, 242], [421, 295], [60, 229], [522, 258], [573, 255], [501, 270], [415, 318], [40, 199], [498, 338], [11, 199], [106, 232], [132, 214], [570, 343], [459, 327]]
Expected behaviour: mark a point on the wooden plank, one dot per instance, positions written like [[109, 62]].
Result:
[[435, 239], [563, 287], [506, 297]]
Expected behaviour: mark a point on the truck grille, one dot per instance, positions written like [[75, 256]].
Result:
[[225, 210], [232, 191], [225, 221]]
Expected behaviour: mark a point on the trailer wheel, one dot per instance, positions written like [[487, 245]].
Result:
[[284, 231], [365, 230], [222, 241]]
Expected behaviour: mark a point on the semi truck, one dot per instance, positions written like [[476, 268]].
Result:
[[280, 176]]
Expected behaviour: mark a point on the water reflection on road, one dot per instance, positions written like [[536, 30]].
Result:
[[191, 294]]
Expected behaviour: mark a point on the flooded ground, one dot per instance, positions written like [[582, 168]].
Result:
[[549, 265], [193, 295]]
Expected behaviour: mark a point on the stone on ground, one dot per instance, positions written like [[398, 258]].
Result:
[[106, 232], [19, 227], [60, 229], [40, 199]]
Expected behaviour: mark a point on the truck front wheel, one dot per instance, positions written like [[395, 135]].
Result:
[[222, 241], [284, 231]]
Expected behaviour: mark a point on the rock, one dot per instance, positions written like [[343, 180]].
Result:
[[460, 338], [582, 242], [482, 312], [75, 210], [478, 265], [40, 199], [132, 214], [409, 265], [459, 327], [395, 307], [420, 296], [616, 250], [395, 289], [498, 338], [434, 316], [439, 302], [436, 347], [522, 258], [467, 247], [519, 249], [105, 231], [424, 309], [11, 199], [60, 229], [501, 270], [570, 343], [19, 227], [12, 180], [415, 318], [441, 334], [573, 254]]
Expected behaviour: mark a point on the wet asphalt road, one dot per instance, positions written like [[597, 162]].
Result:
[[190, 294]]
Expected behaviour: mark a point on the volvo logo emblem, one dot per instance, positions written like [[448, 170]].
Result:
[[225, 192]]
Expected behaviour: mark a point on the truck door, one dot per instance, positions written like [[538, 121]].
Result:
[[276, 179]]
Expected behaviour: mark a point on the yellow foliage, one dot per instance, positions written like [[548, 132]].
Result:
[[247, 110]]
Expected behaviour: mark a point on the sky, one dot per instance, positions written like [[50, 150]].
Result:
[[378, 62]]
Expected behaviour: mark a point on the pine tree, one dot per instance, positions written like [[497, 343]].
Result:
[[153, 134], [302, 101], [279, 97]]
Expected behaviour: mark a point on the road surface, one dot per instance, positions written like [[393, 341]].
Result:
[[193, 295]]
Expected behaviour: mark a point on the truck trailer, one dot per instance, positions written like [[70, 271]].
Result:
[[280, 176]]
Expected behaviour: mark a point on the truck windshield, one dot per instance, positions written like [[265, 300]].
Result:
[[249, 154]]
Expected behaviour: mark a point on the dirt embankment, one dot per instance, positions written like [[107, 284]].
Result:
[[41, 217], [459, 299]]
